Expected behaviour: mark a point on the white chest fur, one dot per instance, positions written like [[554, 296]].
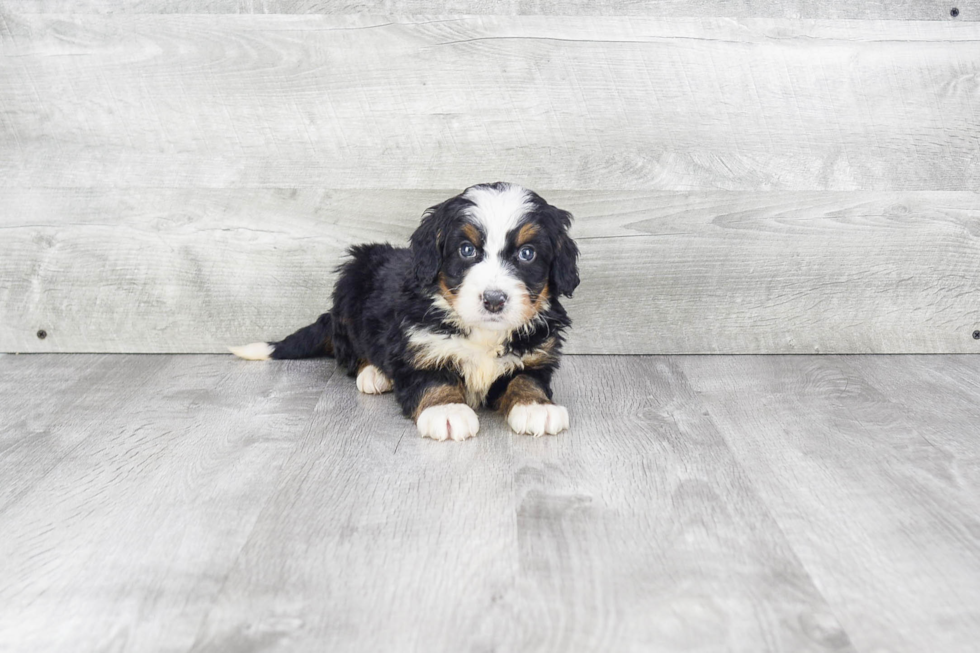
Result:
[[480, 357]]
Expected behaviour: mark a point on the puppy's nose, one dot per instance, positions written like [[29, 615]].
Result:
[[494, 300]]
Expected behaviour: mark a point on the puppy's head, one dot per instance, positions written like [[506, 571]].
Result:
[[495, 255]]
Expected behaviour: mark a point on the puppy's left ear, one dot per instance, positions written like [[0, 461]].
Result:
[[564, 267], [427, 242]]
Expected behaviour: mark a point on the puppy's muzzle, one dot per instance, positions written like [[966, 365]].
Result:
[[494, 301]]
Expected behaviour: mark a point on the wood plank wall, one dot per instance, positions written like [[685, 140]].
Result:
[[747, 177]]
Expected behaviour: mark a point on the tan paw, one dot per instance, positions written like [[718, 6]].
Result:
[[538, 419], [372, 381], [456, 421]]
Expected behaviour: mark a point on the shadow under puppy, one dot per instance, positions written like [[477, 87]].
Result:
[[468, 316]]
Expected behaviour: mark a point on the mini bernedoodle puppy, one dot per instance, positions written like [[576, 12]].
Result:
[[468, 316]]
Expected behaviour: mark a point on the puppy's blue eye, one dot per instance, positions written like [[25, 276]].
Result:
[[526, 254], [467, 250]]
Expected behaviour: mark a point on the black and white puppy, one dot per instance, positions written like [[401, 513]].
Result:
[[468, 316]]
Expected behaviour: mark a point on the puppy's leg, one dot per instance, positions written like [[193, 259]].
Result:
[[526, 405], [443, 421], [437, 403], [372, 381]]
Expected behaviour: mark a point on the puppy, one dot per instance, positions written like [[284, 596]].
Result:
[[467, 316]]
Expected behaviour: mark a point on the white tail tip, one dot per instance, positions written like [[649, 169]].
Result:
[[257, 351]]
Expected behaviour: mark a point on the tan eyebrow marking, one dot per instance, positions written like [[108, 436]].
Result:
[[471, 232], [528, 231]]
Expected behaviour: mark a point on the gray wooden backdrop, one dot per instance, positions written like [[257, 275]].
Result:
[[747, 177]]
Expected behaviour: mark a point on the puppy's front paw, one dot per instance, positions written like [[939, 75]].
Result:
[[456, 421], [372, 381], [538, 419]]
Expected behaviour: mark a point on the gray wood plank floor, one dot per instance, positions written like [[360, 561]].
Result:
[[716, 503]]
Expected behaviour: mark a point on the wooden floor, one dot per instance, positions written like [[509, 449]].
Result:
[[769, 503]]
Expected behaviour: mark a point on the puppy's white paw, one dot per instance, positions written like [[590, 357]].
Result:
[[538, 419], [372, 381], [456, 421]]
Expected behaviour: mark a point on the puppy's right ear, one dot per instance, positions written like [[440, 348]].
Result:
[[428, 240]]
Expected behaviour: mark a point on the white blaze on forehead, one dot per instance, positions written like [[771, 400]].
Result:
[[498, 212]]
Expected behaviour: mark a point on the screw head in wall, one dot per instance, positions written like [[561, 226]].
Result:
[[976, 335], [42, 334], [954, 12]]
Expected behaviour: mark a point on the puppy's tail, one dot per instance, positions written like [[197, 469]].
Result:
[[309, 342]]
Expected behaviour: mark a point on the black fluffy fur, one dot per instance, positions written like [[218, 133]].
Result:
[[383, 291]]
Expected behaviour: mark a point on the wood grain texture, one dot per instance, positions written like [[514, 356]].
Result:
[[215, 508], [123, 542], [34, 439], [896, 10], [640, 532], [801, 503], [375, 541], [157, 270], [870, 466], [568, 102]]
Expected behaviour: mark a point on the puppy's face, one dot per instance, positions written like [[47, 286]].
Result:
[[500, 254]]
